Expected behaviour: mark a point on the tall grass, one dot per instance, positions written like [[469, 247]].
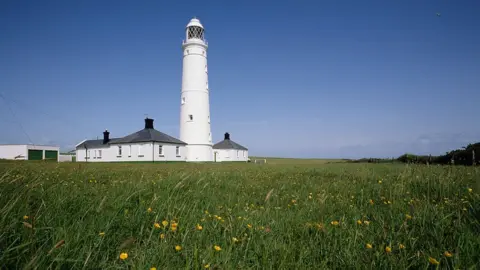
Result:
[[262, 217]]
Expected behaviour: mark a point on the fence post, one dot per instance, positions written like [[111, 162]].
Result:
[[473, 158]]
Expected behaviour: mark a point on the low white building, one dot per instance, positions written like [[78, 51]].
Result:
[[29, 152], [228, 150], [148, 145]]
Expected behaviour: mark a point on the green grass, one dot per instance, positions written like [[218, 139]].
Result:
[[74, 202]]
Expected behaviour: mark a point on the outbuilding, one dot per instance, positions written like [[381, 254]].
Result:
[[228, 150], [29, 152]]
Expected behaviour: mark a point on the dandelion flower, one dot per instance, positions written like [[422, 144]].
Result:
[[149, 210], [470, 190], [165, 223], [25, 217], [101, 233], [368, 246], [123, 256], [217, 248], [359, 222], [388, 249], [447, 254], [433, 261], [207, 266], [199, 227], [249, 226], [153, 268], [334, 223], [178, 248], [157, 225], [401, 246], [173, 227], [162, 236]]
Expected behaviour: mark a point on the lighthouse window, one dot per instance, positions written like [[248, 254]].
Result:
[[183, 100], [195, 32], [190, 116]]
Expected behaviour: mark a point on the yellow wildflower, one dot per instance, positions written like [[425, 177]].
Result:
[[149, 210], [207, 266], [371, 201], [178, 248], [334, 223], [388, 249], [153, 268], [162, 236], [123, 256], [199, 227], [157, 225], [368, 246], [249, 226], [173, 227], [101, 234], [433, 261], [25, 217], [470, 190], [401, 246], [379, 181], [234, 239], [165, 223], [359, 222], [217, 248], [407, 216], [447, 254]]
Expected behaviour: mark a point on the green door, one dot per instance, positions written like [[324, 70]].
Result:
[[51, 155], [35, 154]]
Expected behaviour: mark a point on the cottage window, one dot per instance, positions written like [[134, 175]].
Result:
[[119, 150], [99, 154], [160, 150], [190, 116], [177, 151]]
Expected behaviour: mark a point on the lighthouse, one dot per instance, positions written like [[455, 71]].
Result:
[[195, 105]]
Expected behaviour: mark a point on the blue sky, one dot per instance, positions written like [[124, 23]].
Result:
[[293, 78]]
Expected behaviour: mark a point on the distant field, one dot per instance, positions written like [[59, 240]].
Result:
[[293, 161], [286, 214]]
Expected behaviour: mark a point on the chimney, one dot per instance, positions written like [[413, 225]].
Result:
[[227, 136], [106, 137], [148, 123]]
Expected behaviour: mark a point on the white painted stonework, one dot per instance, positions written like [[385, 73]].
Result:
[[132, 152], [222, 155], [194, 101]]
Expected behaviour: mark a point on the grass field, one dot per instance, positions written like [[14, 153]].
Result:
[[288, 215]]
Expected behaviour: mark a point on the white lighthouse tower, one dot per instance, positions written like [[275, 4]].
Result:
[[195, 106]]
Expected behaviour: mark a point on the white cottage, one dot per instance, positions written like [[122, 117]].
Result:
[[228, 150], [148, 145]]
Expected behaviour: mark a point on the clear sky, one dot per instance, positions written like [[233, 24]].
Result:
[[287, 78]]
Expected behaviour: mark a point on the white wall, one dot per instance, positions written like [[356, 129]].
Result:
[[12, 151], [132, 152], [65, 158], [223, 155]]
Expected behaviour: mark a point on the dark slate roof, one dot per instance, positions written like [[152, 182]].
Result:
[[228, 144], [148, 135], [94, 144]]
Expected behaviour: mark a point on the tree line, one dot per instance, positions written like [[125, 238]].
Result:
[[467, 156]]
